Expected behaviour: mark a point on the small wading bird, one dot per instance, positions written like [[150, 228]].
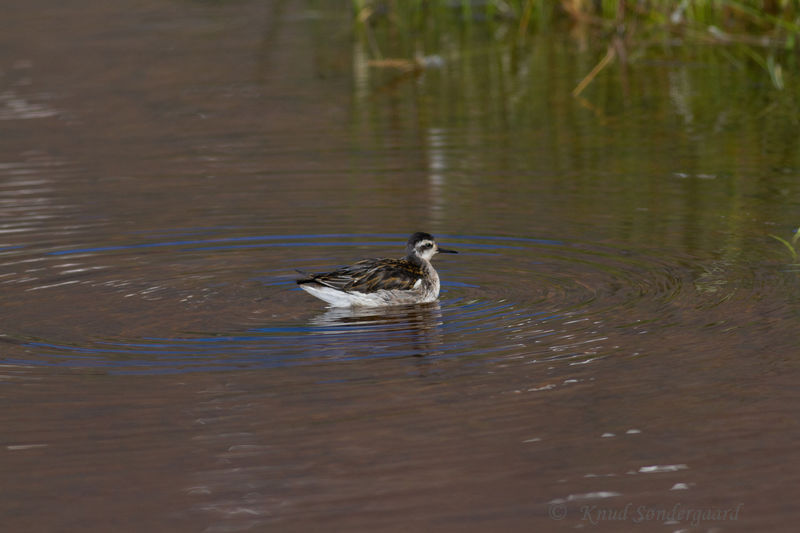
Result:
[[380, 282]]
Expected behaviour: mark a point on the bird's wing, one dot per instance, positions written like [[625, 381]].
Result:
[[371, 275]]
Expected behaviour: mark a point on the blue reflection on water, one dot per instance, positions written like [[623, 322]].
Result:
[[477, 242], [449, 331]]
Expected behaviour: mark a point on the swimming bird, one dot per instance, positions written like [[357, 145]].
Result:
[[379, 282]]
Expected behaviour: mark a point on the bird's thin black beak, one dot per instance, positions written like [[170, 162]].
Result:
[[445, 251]]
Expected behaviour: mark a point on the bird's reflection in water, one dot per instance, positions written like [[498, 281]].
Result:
[[395, 331]]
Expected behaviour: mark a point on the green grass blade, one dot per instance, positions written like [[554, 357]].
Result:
[[787, 244]]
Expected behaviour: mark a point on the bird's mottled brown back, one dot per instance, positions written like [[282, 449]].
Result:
[[371, 275]]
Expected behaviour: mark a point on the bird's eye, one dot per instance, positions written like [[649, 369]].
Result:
[[426, 246]]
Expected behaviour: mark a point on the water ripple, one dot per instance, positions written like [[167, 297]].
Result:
[[505, 299]]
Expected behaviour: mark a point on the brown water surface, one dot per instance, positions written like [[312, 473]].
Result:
[[615, 347]]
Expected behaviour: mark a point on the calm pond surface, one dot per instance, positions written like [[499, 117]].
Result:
[[615, 347]]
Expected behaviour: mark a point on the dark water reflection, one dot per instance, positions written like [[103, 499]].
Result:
[[618, 331]]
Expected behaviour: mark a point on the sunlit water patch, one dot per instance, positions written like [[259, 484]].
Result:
[[216, 299]]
